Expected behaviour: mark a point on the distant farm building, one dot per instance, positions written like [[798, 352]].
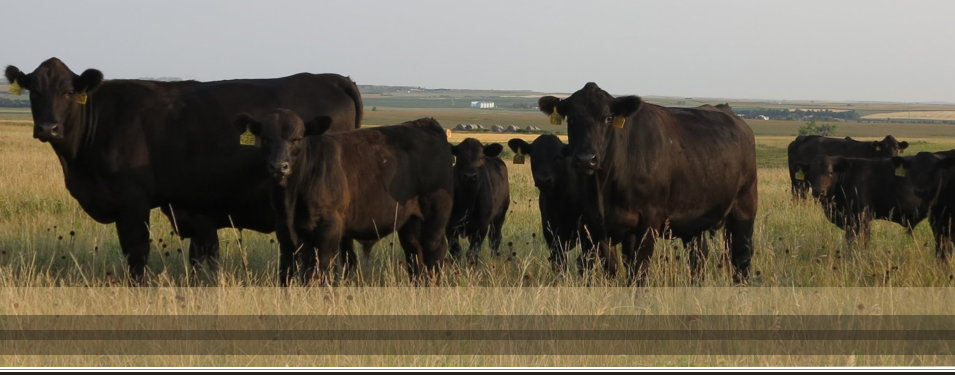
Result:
[[482, 104]]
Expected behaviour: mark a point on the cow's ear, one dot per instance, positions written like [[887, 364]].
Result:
[[243, 121], [88, 81], [318, 126], [493, 149], [15, 75], [625, 106], [519, 146], [903, 145], [547, 104]]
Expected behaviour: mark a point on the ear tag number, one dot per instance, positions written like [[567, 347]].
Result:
[[799, 175], [247, 138], [619, 121], [518, 158], [900, 171], [15, 88], [555, 117], [81, 98]]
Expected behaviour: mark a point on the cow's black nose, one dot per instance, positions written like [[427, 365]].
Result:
[[587, 159], [48, 131], [281, 167]]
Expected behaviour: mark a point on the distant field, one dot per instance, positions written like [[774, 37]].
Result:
[[913, 115]]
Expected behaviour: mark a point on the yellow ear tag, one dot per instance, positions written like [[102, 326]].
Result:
[[878, 148], [15, 88], [555, 117], [619, 121], [518, 158], [799, 175], [81, 98], [247, 138], [900, 171]]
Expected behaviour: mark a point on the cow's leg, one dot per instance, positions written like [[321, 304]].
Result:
[[739, 233], [588, 253], [133, 230], [857, 230], [433, 245], [204, 245], [494, 235], [348, 256], [435, 216], [558, 253], [475, 242], [800, 189], [942, 230], [454, 246], [289, 249], [643, 240], [201, 231], [409, 235], [699, 251], [326, 241]]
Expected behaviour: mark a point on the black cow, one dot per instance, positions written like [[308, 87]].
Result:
[[559, 195], [481, 197], [361, 184], [855, 191], [650, 169], [805, 148], [933, 178], [127, 146]]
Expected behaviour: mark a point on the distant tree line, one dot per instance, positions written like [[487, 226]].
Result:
[[10, 102], [799, 114]]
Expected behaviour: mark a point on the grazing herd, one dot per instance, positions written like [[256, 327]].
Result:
[[857, 182], [287, 155]]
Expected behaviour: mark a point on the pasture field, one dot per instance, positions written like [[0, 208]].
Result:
[[54, 259]]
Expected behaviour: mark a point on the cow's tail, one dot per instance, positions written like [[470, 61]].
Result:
[[351, 88]]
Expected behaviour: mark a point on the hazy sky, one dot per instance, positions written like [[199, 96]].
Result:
[[793, 49]]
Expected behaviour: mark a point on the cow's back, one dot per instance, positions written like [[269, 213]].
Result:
[[194, 149], [704, 159], [388, 166]]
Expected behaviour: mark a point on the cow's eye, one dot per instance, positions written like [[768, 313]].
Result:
[[68, 93], [608, 120]]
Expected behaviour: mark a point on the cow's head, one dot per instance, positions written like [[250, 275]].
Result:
[[548, 163], [591, 115], [282, 134], [469, 158], [56, 96], [823, 174], [924, 171], [888, 146]]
